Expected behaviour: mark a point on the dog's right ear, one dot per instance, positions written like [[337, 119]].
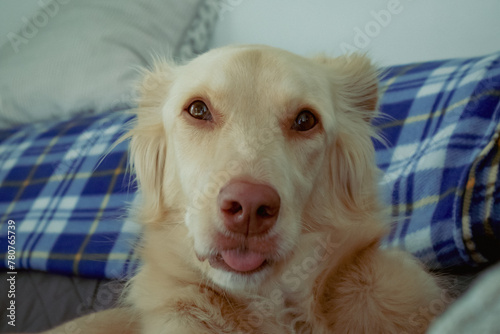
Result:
[[148, 146]]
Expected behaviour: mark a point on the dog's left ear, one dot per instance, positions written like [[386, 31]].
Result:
[[354, 81], [352, 169]]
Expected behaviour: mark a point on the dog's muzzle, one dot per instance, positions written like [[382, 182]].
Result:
[[249, 211]]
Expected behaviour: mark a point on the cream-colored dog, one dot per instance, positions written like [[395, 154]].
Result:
[[259, 203]]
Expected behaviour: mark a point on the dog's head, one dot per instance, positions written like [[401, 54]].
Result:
[[246, 149]]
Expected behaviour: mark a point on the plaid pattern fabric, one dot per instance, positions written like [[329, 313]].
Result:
[[441, 164], [481, 205], [67, 201], [440, 176]]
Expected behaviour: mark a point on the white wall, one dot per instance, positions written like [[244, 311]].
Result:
[[416, 30]]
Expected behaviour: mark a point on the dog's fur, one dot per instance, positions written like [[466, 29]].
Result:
[[324, 270]]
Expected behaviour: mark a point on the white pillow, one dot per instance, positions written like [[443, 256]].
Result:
[[77, 56]]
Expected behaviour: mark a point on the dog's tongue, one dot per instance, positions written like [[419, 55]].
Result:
[[243, 261]]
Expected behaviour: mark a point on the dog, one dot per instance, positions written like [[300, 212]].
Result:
[[259, 202]]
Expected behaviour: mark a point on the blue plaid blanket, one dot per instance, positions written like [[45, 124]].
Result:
[[440, 180], [67, 202], [441, 165]]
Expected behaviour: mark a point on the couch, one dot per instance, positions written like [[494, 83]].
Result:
[[65, 186]]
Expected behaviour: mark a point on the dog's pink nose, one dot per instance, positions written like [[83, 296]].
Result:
[[248, 208]]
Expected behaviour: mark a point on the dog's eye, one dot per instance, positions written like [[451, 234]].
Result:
[[305, 121], [199, 110]]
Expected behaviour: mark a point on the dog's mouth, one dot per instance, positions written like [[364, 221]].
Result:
[[239, 261], [243, 255]]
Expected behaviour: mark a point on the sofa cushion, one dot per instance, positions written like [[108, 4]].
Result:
[[82, 56]]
